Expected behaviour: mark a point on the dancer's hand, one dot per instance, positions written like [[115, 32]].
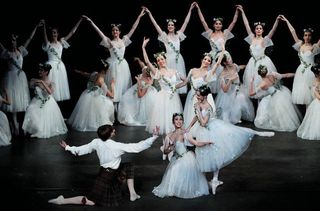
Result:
[[63, 144]]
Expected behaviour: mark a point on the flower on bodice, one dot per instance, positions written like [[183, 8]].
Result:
[[117, 55], [175, 50]]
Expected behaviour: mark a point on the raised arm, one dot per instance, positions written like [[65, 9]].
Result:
[[134, 26], [234, 20], [203, 120], [73, 30], [154, 22], [245, 19], [139, 61], [203, 21], [274, 27], [187, 19], [27, 42], [145, 55], [96, 28], [291, 29], [45, 36]]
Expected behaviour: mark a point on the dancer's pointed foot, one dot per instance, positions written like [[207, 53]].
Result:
[[214, 185], [57, 200], [134, 197]]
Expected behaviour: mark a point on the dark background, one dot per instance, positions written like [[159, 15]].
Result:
[[85, 51]]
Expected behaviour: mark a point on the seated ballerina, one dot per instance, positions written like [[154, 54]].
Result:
[[182, 177]]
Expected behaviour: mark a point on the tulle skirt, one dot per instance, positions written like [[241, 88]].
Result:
[[16, 84], [277, 112], [310, 126], [91, 111], [230, 142], [179, 65], [182, 179], [120, 72], [302, 84], [251, 70], [58, 75], [134, 111], [44, 120], [165, 105], [5, 133]]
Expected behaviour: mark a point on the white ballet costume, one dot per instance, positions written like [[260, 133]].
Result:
[[134, 110], [58, 73], [173, 56], [43, 118], [5, 133], [182, 178], [167, 102], [15, 81], [276, 110], [234, 104], [303, 78], [93, 108], [119, 68], [309, 128], [258, 57], [216, 48]]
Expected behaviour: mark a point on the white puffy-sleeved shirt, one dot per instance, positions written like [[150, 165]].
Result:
[[109, 152]]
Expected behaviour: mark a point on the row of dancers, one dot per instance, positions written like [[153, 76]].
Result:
[[16, 85]]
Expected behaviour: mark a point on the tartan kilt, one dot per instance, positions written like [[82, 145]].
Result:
[[107, 188]]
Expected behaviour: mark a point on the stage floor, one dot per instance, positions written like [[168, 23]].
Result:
[[277, 173]]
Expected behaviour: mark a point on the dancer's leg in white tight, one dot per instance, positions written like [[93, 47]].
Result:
[[72, 200], [133, 195]]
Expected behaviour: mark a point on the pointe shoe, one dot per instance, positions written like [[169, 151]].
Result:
[[57, 200], [214, 185], [134, 197]]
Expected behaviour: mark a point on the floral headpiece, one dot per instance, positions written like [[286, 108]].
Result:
[[177, 114], [118, 25], [204, 90], [171, 20], [308, 30], [162, 53], [208, 54], [218, 19], [262, 70], [259, 23]]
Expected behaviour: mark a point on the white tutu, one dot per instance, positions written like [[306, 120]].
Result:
[[303, 79], [277, 112], [119, 68], [309, 128], [92, 110], [229, 142], [58, 73], [15, 81], [135, 111], [182, 177], [5, 133], [43, 118], [173, 56]]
